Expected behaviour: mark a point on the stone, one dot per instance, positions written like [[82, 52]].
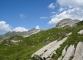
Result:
[[79, 52], [69, 53], [80, 32], [49, 52], [5, 44]]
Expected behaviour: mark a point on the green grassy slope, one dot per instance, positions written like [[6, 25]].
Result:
[[29, 45]]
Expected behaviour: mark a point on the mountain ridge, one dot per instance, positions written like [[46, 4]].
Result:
[[24, 34]]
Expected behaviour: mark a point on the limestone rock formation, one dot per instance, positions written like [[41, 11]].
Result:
[[69, 53], [79, 52], [50, 49], [47, 51], [80, 32]]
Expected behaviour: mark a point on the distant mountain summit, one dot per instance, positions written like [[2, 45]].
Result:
[[67, 21], [24, 34], [32, 31]]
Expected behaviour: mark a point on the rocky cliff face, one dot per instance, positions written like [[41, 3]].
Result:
[[67, 21]]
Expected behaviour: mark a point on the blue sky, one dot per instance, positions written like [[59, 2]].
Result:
[[22, 15]]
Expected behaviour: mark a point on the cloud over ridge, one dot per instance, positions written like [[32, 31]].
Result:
[[68, 9]]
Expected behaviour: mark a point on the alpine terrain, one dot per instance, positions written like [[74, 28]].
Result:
[[62, 42]]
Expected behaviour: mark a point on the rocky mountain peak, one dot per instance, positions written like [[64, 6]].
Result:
[[67, 21]]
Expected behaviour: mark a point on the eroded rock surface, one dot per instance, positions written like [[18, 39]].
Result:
[[45, 48], [50, 52], [47, 51], [69, 53], [79, 52]]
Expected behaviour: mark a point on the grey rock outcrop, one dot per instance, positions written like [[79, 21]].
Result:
[[69, 53], [79, 52], [73, 53], [48, 50], [80, 32]]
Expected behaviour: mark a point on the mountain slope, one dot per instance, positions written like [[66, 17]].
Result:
[[29, 45], [20, 48]]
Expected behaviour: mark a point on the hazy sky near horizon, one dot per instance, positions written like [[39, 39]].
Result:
[[22, 15]]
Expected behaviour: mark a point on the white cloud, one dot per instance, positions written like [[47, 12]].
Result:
[[71, 9], [73, 3], [43, 17], [22, 15], [37, 27], [20, 29], [61, 9], [57, 17], [52, 6], [4, 26]]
